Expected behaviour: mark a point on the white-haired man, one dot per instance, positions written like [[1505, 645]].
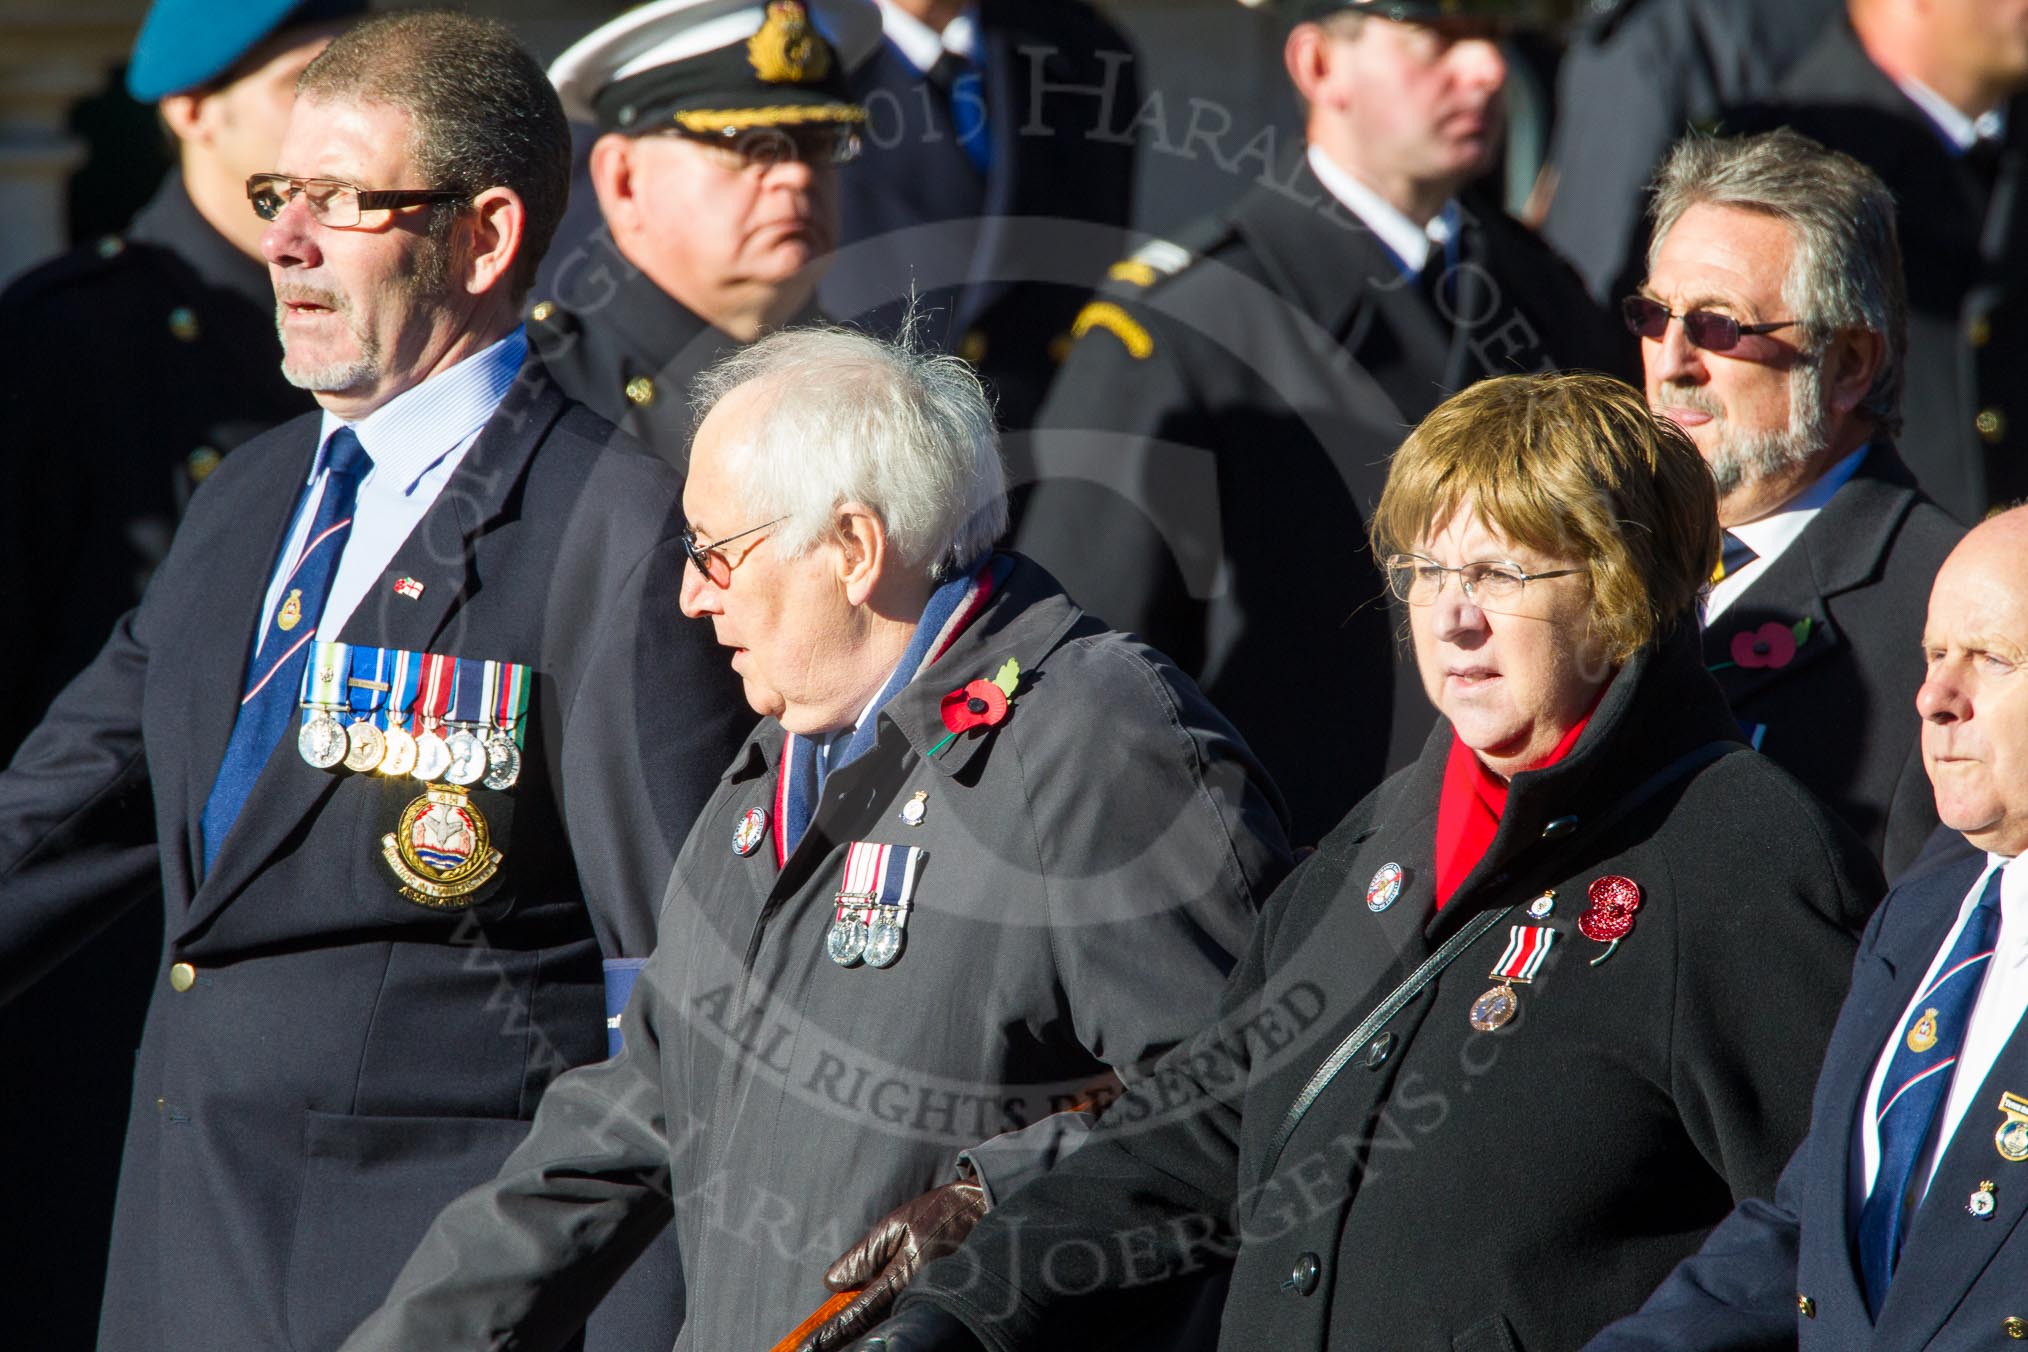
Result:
[[1773, 331], [979, 851]]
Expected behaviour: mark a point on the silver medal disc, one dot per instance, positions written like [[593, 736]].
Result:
[[400, 757], [503, 762], [1493, 1009], [366, 749], [883, 942], [432, 757], [322, 741], [468, 757], [846, 941]]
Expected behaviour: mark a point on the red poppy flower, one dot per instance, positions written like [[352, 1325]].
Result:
[[1771, 645], [1610, 917], [980, 704]]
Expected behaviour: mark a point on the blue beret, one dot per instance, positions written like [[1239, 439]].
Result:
[[186, 43]]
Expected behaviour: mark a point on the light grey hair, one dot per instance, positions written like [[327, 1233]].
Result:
[[1845, 272], [852, 418]]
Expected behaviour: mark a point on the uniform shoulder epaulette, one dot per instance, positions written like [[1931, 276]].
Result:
[[95, 258], [1153, 262]]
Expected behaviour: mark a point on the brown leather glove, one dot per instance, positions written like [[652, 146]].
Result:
[[898, 1246]]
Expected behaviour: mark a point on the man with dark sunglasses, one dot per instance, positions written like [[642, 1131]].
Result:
[[721, 128], [1773, 330]]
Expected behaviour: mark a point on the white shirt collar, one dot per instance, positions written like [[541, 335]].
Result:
[[1776, 531], [419, 426], [921, 45], [1960, 130], [1409, 242]]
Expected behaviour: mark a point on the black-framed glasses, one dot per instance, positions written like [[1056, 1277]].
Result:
[[334, 202], [1488, 584], [711, 563], [743, 148], [1648, 318]]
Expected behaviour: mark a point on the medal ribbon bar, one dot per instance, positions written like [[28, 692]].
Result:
[[1527, 946]]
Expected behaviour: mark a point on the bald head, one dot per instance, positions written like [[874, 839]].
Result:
[[1974, 695]]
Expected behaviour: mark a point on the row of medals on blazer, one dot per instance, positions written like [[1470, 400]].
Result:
[[467, 754]]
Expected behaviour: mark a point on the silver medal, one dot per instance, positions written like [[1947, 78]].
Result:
[[367, 747], [400, 757], [503, 762], [432, 756], [884, 940], [468, 757], [322, 741], [846, 940]]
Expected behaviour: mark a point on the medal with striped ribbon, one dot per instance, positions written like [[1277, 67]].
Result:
[[1527, 946]]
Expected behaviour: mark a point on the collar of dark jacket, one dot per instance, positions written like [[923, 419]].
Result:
[[171, 220], [1321, 255], [1027, 617], [1659, 706]]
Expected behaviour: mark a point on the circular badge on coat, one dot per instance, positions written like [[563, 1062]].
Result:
[[752, 829], [441, 849], [1540, 908], [2011, 1140], [1385, 887], [1493, 1009]]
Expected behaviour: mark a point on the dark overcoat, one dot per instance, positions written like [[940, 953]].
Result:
[[1840, 714], [1964, 250], [1780, 1272], [1457, 1190], [325, 1062], [1092, 865], [1220, 433]]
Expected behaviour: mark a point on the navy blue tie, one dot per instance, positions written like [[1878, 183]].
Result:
[[959, 81], [1918, 1078], [801, 789], [274, 671], [1733, 555]]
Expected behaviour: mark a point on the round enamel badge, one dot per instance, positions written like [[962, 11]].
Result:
[[752, 828], [441, 850], [1385, 887]]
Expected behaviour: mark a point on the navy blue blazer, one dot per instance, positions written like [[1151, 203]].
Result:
[[1782, 1273], [340, 1061]]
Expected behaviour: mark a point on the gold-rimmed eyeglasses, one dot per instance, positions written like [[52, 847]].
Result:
[[709, 558], [334, 202]]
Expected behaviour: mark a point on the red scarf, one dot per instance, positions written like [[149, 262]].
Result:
[[1469, 808]]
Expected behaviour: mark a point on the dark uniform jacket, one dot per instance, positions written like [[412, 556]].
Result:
[[1640, 74], [1221, 430], [1451, 1190], [1004, 260], [127, 368], [1840, 714], [1092, 865], [1964, 248], [325, 1062], [1781, 1272], [625, 348]]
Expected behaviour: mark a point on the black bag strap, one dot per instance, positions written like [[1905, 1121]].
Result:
[[1327, 1071]]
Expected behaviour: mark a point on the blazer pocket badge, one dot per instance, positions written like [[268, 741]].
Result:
[[441, 851]]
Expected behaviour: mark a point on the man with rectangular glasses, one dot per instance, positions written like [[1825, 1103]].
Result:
[[1773, 330], [405, 729], [721, 128]]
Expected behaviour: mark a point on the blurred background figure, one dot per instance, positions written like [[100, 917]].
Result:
[[128, 367], [1637, 75], [1223, 423], [1774, 332], [995, 183], [721, 126], [1928, 94]]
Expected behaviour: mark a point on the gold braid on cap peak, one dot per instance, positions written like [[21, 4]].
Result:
[[782, 115], [787, 50]]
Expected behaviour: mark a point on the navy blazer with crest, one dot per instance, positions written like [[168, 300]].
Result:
[[1783, 1272], [345, 1059]]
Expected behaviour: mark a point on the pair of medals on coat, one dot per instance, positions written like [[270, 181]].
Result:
[[869, 919], [469, 719], [1607, 918]]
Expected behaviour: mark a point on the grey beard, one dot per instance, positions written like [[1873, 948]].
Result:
[[1742, 458]]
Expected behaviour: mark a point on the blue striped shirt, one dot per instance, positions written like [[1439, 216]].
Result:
[[415, 440]]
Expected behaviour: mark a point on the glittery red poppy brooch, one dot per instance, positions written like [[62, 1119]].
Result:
[[1773, 645], [1610, 916], [978, 704]]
